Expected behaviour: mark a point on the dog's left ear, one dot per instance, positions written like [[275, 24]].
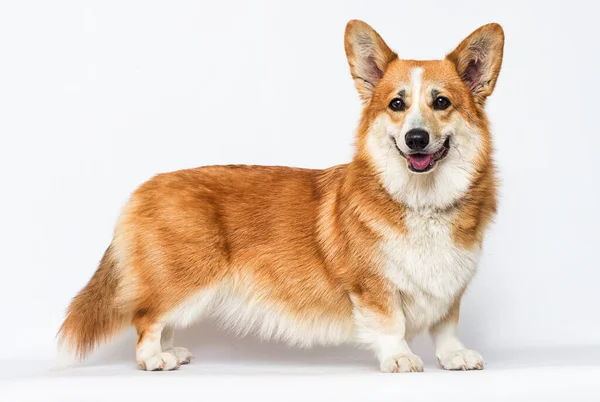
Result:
[[368, 56], [478, 60]]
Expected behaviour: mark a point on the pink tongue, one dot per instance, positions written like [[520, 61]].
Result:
[[420, 162]]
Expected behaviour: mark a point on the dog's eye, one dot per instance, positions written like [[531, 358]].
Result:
[[441, 103], [397, 105]]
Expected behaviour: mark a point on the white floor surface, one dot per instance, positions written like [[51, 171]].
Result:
[[314, 375]]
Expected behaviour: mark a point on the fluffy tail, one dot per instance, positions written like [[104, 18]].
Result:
[[93, 316]]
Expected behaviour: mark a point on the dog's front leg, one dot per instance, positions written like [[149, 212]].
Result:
[[450, 352], [380, 323]]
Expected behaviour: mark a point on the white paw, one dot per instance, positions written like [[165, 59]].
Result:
[[182, 354], [160, 362], [462, 359], [402, 364]]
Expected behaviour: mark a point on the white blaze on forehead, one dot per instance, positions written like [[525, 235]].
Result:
[[416, 76], [414, 118]]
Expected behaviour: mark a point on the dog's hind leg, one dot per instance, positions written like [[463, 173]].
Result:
[[167, 344], [149, 353]]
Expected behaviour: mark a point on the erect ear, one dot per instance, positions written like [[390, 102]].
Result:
[[368, 56], [478, 60]]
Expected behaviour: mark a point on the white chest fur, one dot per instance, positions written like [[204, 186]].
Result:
[[427, 266]]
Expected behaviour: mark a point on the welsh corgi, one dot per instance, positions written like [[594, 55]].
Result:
[[372, 252]]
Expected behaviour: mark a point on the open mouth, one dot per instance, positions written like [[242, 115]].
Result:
[[421, 163]]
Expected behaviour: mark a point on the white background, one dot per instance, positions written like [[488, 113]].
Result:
[[96, 97]]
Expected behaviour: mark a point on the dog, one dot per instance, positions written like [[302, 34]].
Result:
[[372, 252]]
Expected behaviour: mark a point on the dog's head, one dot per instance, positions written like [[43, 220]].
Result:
[[424, 127]]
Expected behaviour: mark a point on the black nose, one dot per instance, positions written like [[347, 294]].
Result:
[[417, 139]]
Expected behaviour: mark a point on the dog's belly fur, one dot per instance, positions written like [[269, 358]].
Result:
[[243, 308], [428, 267]]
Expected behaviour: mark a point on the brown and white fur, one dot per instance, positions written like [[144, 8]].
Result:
[[370, 252]]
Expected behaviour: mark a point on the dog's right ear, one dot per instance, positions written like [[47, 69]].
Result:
[[368, 56]]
